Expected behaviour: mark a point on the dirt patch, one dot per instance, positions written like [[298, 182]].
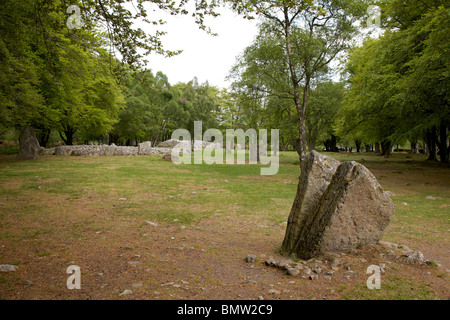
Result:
[[43, 233]]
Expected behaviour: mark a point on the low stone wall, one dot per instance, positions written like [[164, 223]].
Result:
[[104, 150], [198, 144]]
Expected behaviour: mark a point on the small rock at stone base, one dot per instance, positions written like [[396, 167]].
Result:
[[251, 258], [293, 271], [8, 268], [126, 292]]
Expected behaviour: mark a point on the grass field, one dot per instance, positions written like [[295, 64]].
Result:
[[94, 212]]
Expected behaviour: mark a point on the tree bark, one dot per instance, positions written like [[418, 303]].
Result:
[[444, 150], [414, 147], [68, 136], [358, 145], [377, 147], [431, 139], [386, 146], [43, 136]]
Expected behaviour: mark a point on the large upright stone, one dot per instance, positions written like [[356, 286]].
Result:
[[314, 180], [145, 148], [29, 145], [353, 211], [109, 151]]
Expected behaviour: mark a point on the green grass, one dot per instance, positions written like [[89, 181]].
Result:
[[9, 150], [162, 190], [38, 199], [392, 288]]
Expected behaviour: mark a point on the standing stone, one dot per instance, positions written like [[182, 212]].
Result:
[[314, 180], [353, 211], [29, 145], [145, 148], [109, 150], [229, 145]]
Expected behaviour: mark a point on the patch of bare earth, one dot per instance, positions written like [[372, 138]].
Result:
[[171, 261]]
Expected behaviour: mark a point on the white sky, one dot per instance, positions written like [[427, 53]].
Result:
[[206, 57]]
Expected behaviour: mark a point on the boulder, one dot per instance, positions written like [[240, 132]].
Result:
[[415, 257], [353, 211], [126, 151], [168, 157], [29, 145], [161, 151], [145, 148], [7, 268], [63, 151], [86, 150], [44, 151], [169, 143], [251, 258], [109, 150], [314, 180]]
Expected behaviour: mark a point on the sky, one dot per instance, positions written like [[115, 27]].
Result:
[[206, 57]]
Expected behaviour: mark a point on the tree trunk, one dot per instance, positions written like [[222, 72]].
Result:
[[299, 104], [358, 145], [414, 147], [334, 143], [293, 224], [444, 150], [386, 146], [431, 139], [68, 136], [377, 147], [43, 136], [311, 145]]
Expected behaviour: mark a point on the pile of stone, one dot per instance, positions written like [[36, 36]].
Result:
[[403, 253], [309, 270], [144, 148], [198, 144], [338, 206], [171, 143]]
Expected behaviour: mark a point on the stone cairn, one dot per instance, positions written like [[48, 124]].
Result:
[[144, 148]]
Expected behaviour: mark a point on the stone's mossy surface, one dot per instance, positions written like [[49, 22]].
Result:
[[109, 150], [353, 211], [29, 145], [145, 148], [319, 170], [339, 207]]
